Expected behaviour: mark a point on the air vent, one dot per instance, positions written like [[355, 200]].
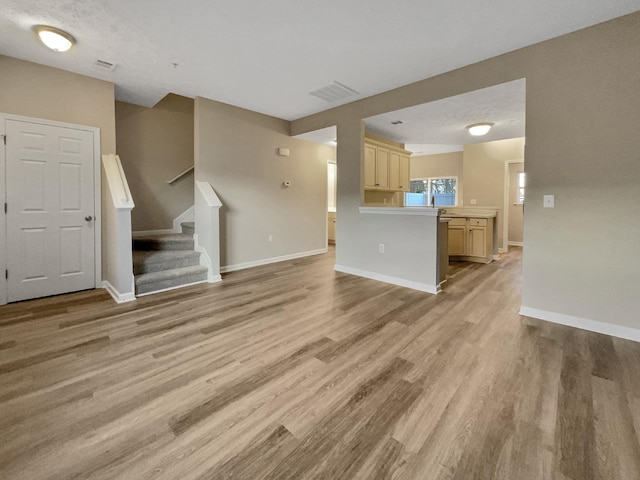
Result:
[[104, 65], [334, 92], [397, 122]]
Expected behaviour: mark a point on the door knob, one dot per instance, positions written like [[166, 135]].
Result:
[[88, 218]]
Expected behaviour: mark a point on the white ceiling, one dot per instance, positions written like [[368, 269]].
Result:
[[440, 126], [268, 56]]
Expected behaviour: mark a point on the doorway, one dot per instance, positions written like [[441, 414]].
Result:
[[51, 187], [332, 182], [514, 203]]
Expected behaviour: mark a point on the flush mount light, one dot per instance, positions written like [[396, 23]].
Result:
[[54, 38], [479, 129]]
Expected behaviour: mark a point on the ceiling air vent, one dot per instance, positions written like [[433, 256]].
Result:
[[334, 92], [104, 65], [397, 122]]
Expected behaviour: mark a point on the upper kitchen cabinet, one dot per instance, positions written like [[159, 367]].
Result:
[[376, 167], [386, 166], [399, 171]]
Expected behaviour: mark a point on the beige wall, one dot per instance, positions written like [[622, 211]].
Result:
[[581, 258], [438, 165], [484, 175], [155, 144], [44, 92], [236, 152]]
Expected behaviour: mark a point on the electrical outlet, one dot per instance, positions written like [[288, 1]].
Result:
[[474, 201], [381, 248], [548, 201], [271, 238]]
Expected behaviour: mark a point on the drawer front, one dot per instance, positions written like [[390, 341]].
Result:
[[457, 222], [478, 222]]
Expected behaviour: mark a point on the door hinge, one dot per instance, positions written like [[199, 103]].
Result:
[[6, 274], [5, 208], [4, 139]]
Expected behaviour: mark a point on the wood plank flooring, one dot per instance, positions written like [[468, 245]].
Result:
[[294, 371]]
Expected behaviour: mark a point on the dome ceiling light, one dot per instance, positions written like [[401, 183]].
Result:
[[54, 38], [479, 129]]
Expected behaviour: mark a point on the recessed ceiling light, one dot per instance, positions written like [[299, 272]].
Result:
[[479, 129], [54, 38]]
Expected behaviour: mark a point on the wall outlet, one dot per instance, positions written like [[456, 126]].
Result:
[[548, 201], [271, 238], [474, 201], [381, 248]]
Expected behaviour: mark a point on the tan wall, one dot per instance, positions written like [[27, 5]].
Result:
[[484, 177], [580, 258], [44, 92], [236, 153], [155, 144], [439, 165]]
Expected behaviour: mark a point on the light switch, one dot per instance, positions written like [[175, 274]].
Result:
[[548, 201]]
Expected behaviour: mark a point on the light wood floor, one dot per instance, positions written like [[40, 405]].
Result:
[[293, 371]]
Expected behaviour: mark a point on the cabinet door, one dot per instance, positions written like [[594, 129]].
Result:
[[404, 173], [394, 171], [457, 234], [369, 166], [477, 241], [382, 168]]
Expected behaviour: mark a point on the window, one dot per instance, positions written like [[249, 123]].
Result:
[[521, 180], [443, 191]]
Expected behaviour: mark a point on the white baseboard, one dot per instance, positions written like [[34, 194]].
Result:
[[583, 323], [144, 233], [515, 244], [117, 296], [423, 287], [189, 215], [266, 261]]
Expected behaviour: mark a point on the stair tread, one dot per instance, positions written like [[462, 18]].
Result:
[[157, 256], [144, 278], [188, 224]]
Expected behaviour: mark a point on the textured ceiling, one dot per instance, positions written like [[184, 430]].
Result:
[[442, 123], [268, 56]]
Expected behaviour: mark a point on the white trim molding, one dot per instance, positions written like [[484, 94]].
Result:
[[117, 296], [619, 331], [266, 261], [423, 287], [515, 244]]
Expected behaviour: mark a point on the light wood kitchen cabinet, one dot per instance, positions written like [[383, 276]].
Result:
[[399, 171], [471, 239], [376, 167], [385, 167], [331, 228]]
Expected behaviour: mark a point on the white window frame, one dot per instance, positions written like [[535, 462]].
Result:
[[444, 177]]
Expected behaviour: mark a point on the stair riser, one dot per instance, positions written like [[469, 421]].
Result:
[[166, 265], [188, 230], [186, 244], [170, 283]]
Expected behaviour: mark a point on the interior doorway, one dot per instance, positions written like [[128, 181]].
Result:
[[515, 190], [51, 192], [332, 184]]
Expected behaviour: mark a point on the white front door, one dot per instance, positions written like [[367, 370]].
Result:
[[50, 210], [516, 205]]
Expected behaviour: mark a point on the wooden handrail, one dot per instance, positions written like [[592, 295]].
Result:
[[180, 175]]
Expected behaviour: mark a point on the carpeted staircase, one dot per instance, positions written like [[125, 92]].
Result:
[[161, 262]]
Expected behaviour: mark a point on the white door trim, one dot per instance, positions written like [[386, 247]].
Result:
[[505, 216], [3, 195]]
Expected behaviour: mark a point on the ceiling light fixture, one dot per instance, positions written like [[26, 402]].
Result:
[[479, 129], [54, 38]]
